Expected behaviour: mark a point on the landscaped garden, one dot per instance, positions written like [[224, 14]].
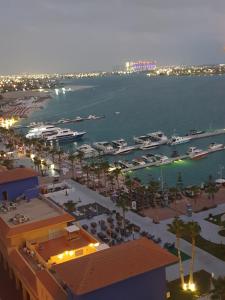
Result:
[[216, 219], [202, 280]]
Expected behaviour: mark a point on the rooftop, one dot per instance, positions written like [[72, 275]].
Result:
[[112, 265], [61, 244], [16, 174], [34, 214]]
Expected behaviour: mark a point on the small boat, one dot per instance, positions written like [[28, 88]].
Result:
[[105, 147], [195, 132], [175, 154], [124, 150], [78, 119], [176, 140], [87, 151], [148, 146], [117, 112], [138, 161], [150, 158], [125, 164], [195, 153], [214, 146], [119, 143]]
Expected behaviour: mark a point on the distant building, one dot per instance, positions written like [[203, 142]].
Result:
[[18, 182], [140, 66]]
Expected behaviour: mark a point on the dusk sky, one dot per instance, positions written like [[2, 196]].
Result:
[[87, 35]]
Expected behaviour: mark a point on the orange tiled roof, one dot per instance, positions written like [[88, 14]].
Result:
[[112, 265], [26, 274], [16, 174], [8, 231], [51, 285]]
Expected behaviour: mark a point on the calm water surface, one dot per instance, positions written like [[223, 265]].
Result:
[[170, 104]]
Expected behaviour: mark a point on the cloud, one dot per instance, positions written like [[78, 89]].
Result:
[[54, 35]]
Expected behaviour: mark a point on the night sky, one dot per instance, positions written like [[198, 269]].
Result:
[[86, 35]]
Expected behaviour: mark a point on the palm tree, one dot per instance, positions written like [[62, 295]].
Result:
[[123, 203], [116, 172], [177, 227], [70, 206], [211, 188], [153, 188], [72, 158], [192, 229], [218, 292]]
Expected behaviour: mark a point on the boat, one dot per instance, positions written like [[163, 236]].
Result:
[[195, 132], [175, 140], [150, 158], [78, 119], [138, 161], [214, 146], [104, 147], [174, 154], [162, 159], [195, 153], [119, 143], [148, 146], [40, 131], [125, 164], [88, 151], [158, 137], [124, 150], [65, 135]]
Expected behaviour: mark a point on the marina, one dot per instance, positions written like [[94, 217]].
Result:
[[61, 121], [158, 163], [145, 142]]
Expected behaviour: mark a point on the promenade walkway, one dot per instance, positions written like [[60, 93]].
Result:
[[204, 260]]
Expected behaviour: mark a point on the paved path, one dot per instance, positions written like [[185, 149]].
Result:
[[203, 259]]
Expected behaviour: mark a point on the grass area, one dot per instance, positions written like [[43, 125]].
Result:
[[202, 281], [184, 256], [222, 232], [218, 250], [216, 219]]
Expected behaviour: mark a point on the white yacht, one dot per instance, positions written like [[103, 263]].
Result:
[[175, 140], [88, 151], [41, 131], [104, 147], [64, 135]]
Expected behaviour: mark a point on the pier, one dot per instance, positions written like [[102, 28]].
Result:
[[206, 134], [170, 160]]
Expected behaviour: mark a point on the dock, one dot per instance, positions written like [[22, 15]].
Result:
[[206, 134], [170, 160]]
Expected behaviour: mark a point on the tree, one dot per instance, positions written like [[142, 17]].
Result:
[[116, 172], [192, 229], [153, 189], [218, 291], [177, 227], [72, 158], [179, 182], [123, 203], [70, 206], [211, 188]]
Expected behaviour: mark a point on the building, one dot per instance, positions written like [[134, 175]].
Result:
[[140, 66], [19, 182], [35, 236], [133, 270], [49, 256]]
